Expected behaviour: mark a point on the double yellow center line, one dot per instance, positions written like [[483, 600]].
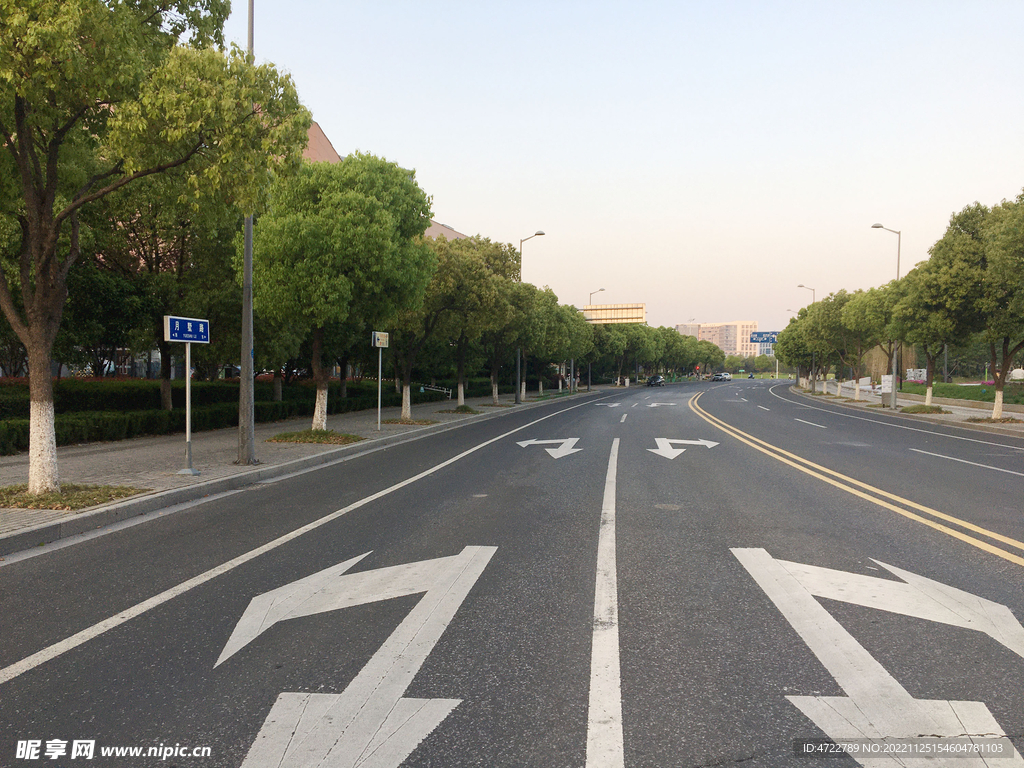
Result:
[[870, 493]]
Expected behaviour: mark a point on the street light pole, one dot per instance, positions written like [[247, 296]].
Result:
[[519, 350], [246, 382], [814, 300], [895, 351], [590, 301]]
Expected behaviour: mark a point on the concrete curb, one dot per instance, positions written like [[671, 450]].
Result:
[[116, 512]]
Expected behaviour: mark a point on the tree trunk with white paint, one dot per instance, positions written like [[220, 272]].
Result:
[[997, 406], [42, 436], [462, 394], [406, 402], [494, 388], [321, 375], [856, 389]]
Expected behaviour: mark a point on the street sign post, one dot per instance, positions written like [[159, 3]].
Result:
[[379, 339], [189, 330]]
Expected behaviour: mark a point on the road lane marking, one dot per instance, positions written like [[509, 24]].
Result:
[[965, 461], [763, 408], [665, 446], [876, 704], [565, 446], [623, 418], [811, 423], [604, 722], [70, 643], [884, 423], [371, 722], [816, 470]]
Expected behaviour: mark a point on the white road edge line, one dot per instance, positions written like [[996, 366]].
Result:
[[70, 643], [811, 423], [965, 461], [604, 722]]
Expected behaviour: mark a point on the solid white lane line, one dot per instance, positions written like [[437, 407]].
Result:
[[763, 408], [87, 634], [811, 423], [623, 418], [972, 463], [604, 724]]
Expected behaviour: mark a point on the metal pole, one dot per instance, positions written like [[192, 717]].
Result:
[[188, 405], [380, 371], [246, 384], [588, 377], [519, 354], [189, 470]]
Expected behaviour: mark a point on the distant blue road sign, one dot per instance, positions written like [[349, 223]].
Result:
[[186, 329], [764, 337]]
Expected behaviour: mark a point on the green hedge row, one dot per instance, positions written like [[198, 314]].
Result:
[[105, 425], [73, 396]]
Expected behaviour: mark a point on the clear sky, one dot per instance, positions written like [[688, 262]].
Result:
[[702, 157]]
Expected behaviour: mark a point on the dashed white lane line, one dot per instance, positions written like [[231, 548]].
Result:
[[972, 463], [811, 423], [604, 722], [763, 408], [623, 418]]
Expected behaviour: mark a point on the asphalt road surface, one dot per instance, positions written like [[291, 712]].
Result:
[[700, 574]]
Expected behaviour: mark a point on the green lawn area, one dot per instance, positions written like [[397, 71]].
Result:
[[986, 393]]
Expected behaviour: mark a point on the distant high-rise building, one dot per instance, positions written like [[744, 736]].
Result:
[[732, 338]]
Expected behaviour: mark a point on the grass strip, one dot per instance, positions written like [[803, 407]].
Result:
[[324, 436], [924, 409], [71, 497]]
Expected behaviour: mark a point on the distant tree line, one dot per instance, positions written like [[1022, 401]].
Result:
[[966, 300]]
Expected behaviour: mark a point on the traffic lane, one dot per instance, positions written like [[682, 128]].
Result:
[[707, 659], [1000, 451], [535, 595], [52, 596], [907, 463]]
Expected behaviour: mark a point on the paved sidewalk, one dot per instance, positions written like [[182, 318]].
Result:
[[153, 463]]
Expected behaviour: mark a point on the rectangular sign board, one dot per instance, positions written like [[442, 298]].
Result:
[[380, 339], [764, 337], [189, 329]]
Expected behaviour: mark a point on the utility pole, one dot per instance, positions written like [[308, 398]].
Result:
[[246, 383]]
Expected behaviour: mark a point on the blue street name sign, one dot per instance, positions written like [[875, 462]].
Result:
[[189, 329], [764, 337]]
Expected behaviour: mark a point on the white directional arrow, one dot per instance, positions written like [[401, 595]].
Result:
[[655, 405], [565, 446], [665, 446], [609, 405], [876, 705], [371, 723]]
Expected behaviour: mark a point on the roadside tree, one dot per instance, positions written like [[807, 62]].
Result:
[[340, 240], [96, 96]]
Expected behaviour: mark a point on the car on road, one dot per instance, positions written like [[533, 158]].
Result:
[[656, 381], [725, 376]]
